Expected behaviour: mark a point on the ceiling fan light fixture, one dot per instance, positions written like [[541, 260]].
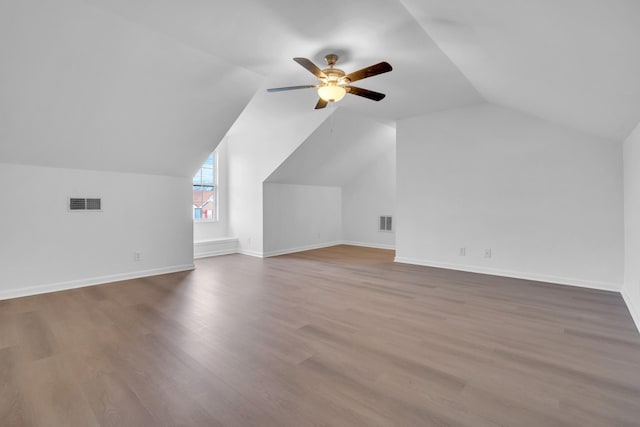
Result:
[[331, 92], [334, 84]]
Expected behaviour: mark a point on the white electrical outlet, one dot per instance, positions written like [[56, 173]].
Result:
[[137, 256], [463, 251], [487, 253]]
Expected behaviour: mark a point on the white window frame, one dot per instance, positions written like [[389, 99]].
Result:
[[216, 192]]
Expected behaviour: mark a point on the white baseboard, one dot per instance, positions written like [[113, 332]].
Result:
[[633, 309], [301, 249], [311, 247], [604, 286], [250, 253], [369, 245], [208, 254], [215, 247], [73, 284]]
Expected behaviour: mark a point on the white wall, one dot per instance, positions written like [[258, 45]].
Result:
[[301, 217], [44, 247], [631, 289], [365, 198], [546, 199], [356, 153], [258, 142]]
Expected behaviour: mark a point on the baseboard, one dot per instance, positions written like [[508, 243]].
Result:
[[633, 309], [603, 286], [208, 254], [301, 249], [215, 247], [250, 253], [327, 245], [73, 284], [369, 245]]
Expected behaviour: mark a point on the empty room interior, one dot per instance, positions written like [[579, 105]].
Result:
[[296, 213]]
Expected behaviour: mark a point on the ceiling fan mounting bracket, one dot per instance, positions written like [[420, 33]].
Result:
[[331, 59]]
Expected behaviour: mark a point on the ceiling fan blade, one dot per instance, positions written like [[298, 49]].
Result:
[[366, 93], [313, 69], [373, 70], [321, 104], [280, 89]]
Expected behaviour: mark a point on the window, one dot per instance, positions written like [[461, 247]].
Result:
[[205, 191]]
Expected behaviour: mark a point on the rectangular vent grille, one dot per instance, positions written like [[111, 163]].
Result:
[[76, 204], [385, 223], [85, 204], [94, 204]]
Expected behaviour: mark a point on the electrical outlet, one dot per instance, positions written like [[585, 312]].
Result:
[[137, 256], [487, 253], [463, 251]]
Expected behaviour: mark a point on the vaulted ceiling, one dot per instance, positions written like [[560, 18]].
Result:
[[337, 151], [574, 62], [152, 85]]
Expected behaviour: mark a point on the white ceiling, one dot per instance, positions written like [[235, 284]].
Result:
[[339, 149], [153, 85], [574, 62], [82, 89], [265, 36]]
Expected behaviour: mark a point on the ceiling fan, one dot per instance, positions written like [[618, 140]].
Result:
[[334, 84]]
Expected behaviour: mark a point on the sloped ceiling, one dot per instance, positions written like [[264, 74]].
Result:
[[267, 132], [84, 88], [152, 86], [337, 151], [575, 62], [264, 37]]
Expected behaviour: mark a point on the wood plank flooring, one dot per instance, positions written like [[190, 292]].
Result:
[[333, 337]]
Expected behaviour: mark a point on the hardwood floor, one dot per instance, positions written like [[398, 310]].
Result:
[[339, 336]]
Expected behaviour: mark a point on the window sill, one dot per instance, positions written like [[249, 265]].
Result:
[[205, 221]]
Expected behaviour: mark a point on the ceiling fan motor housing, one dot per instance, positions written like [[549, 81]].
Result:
[[335, 75]]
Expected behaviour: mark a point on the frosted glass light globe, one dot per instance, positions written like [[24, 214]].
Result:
[[331, 92]]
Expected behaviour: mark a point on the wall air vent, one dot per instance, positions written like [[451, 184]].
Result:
[[77, 204], [94, 204], [85, 204], [385, 224]]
